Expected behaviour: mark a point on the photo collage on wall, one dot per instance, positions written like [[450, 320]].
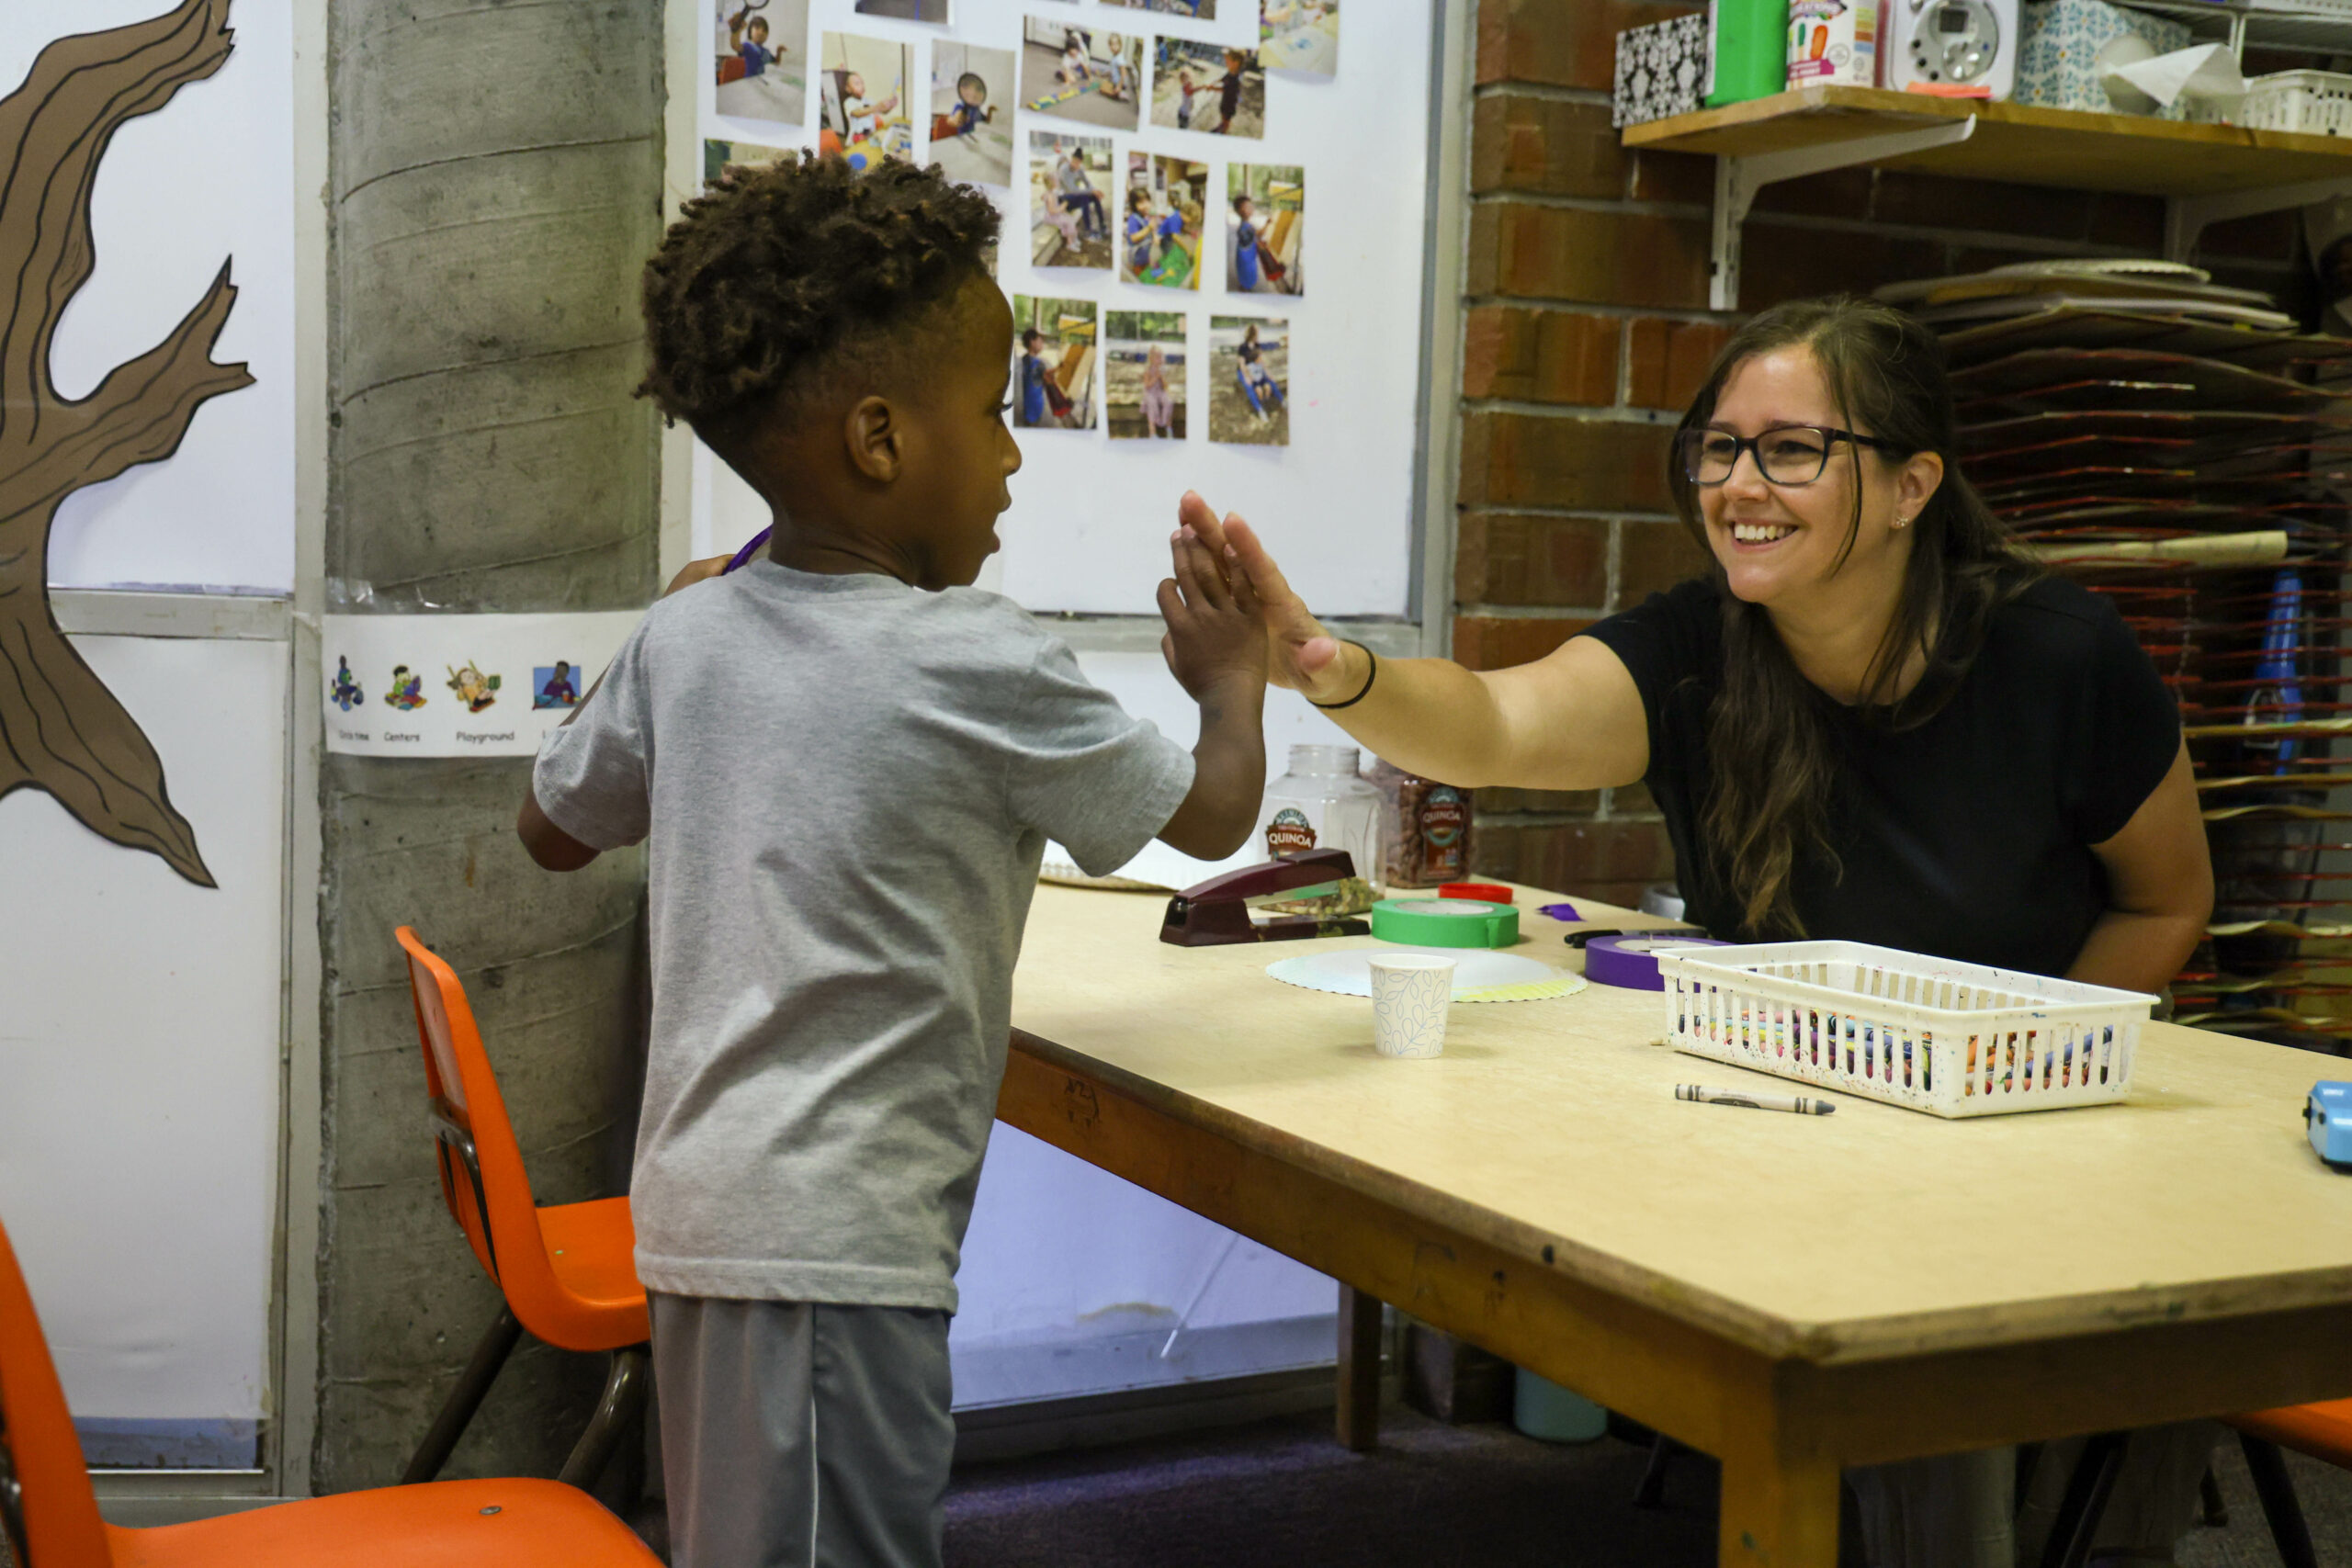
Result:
[[1036, 125]]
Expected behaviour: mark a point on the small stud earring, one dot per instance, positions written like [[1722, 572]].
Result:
[[1903, 522]]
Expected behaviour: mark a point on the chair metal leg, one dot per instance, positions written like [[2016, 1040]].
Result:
[[2277, 1490], [1358, 1416], [2087, 1490], [616, 1413], [2217, 1507], [1650, 1492], [490, 1354]]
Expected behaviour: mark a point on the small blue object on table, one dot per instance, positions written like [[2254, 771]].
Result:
[[2327, 1116]]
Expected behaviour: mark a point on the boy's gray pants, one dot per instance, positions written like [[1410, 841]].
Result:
[[799, 1435]]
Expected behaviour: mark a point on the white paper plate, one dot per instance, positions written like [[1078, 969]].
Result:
[[1479, 976]]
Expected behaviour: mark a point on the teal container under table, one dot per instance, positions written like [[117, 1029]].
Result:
[[1542, 1408]]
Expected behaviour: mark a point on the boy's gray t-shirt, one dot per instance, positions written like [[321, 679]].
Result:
[[847, 786]]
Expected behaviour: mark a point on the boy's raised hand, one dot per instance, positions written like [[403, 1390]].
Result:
[[1215, 637], [1301, 655], [1216, 646], [695, 571]]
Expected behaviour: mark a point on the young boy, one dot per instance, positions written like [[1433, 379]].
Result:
[[967, 117], [757, 56], [847, 761], [1228, 90], [1245, 247]]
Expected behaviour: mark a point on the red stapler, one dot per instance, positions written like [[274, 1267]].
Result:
[[1215, 913]]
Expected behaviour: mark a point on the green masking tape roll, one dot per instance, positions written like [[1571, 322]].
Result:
[[1445, 923]]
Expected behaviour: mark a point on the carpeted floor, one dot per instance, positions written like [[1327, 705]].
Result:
[[1281, 1495]]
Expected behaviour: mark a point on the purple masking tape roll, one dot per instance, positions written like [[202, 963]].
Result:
[[1631, 962]]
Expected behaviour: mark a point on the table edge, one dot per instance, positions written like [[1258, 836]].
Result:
[[1829, 1342]]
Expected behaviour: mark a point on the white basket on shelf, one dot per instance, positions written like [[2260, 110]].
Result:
[[2316, 103], [1950, 1039]]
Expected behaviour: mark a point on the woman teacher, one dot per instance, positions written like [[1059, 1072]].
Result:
[[1870, 719]]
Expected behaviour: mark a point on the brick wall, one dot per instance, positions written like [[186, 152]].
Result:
[[1586, 331]]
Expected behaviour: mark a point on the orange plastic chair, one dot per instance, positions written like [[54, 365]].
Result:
[[2322, 1430], [567, 1272], [51, 1517]]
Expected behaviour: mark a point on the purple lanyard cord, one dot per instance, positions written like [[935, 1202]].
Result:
[[749, 550]]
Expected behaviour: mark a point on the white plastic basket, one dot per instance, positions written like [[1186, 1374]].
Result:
[[1951, 1039], [2316, 103]]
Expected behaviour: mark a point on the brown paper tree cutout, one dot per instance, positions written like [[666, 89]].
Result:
[[61, 729]]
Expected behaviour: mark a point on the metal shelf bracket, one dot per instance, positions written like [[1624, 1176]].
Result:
[[1738, 179], [2186, 216]]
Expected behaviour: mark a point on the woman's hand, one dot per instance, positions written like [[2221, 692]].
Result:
[[1300, 655]]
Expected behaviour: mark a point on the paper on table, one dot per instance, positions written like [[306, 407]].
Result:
[[1157, 867]]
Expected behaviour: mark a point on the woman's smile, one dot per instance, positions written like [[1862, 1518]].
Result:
[[1751, 536]]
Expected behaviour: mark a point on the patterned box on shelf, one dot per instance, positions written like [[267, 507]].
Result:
[[1661, 70], [2058, 60]]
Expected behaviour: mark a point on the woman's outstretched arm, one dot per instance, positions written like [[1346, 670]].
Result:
[[1570, 720]]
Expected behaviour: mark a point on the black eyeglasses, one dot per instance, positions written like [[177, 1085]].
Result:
[[1792, 454]]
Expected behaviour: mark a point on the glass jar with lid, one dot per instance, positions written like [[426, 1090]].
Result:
[[1320, 802]]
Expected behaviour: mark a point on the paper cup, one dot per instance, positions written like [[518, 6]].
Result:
[[1411, 994]]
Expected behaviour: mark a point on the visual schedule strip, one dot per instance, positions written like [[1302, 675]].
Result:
[[460, 685]]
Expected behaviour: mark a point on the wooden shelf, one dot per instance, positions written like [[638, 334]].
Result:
[[2021, 143]]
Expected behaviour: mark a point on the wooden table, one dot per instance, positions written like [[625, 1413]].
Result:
[[1792, 1294]]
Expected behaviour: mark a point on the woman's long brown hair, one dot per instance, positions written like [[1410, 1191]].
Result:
[[1770, 743]]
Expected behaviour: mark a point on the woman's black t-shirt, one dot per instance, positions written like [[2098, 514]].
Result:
[[1968, 837]]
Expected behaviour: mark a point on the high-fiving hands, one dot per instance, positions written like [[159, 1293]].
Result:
[[1216, 639], [1300, 654]]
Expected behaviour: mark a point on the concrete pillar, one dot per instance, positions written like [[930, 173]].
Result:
[[495, 184]]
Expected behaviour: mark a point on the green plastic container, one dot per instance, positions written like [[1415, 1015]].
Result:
[[1542, 1408], [1749, 44]]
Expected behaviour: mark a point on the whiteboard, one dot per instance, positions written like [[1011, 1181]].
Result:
[[206, 178], [1088, 528], [139, 1054]]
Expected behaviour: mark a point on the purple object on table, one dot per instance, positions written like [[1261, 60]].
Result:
[[748, 550], [1560, 911], [1631, 962]]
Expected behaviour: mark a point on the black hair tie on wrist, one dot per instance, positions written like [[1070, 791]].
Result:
[[1372, 673]]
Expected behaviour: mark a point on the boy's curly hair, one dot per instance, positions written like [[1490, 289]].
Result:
[[777, 270]]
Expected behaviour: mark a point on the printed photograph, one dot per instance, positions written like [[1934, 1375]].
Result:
[[971, 112], [1081, 73], [1206, 86], [862, 98], [555, 685], [1162, 220], [1264, 228], [1299, 35], [1069, 198], [763, 50], [1143, 375], [906, 10], [1199, 10], [719, 157], [1248, 381], [1052, 363]]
